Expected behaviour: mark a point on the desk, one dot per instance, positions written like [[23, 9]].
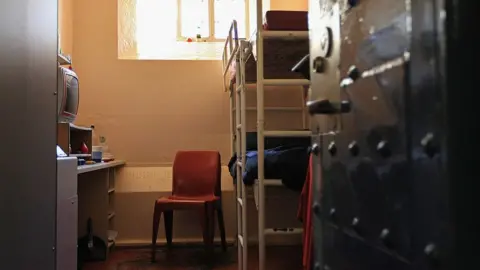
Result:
[[96, 198]]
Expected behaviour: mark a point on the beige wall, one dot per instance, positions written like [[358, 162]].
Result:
[[65, 26], [148, 110], [289, 4]]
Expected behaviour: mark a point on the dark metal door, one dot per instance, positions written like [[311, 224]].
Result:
[[28, 115], [383, 178]]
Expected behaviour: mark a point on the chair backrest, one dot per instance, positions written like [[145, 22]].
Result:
[[196, 174]]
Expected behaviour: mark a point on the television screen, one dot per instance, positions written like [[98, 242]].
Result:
[[71, 102], [68, 95]]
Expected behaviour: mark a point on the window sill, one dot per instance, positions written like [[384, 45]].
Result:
[[179, 51]]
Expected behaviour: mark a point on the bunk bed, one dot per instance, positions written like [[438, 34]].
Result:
[[282, 31], [266, 59]]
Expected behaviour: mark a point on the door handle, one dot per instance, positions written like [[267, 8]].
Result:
[[303, 67]]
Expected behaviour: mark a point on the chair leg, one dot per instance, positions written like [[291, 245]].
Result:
[[208, 221], [211, 225], [203, 223], [157, 213], [221, 225], [168, 221]]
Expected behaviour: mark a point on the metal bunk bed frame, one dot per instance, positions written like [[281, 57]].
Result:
[[238, 50]]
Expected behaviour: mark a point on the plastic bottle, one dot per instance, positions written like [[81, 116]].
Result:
[[97, 149], [199, 36], [103, 143], [95, 138]]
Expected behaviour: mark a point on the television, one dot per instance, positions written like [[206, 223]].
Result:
[[68, 95]]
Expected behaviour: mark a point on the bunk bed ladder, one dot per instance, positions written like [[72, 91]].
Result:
[[231, 53], [260, 139], [241, 145], [261, 133]]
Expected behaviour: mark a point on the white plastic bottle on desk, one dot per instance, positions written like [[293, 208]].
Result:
[[107, 156]]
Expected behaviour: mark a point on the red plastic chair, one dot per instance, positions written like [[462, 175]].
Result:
[[196, 186]]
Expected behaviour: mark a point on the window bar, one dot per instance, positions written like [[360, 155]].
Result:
[[247, 18], [179, 19], [211, 19]]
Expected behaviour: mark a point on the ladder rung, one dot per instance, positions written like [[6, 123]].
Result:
[[271, 182], [287, 133], [285, 82], [281, 109], [283, 231], [240, 240], [240, 201], [284, 34]]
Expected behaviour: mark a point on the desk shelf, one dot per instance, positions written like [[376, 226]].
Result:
[[71, 135], [96, 193], [111, 204]]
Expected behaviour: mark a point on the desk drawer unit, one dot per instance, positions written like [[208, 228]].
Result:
[[67, 213]]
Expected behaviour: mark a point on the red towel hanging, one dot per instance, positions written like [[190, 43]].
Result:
[[305, 215]]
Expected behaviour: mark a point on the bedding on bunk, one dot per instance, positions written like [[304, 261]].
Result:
[[286, 163], [286, 158], [280, 55]]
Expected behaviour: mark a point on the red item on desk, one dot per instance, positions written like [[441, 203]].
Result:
[[305, 215], [84, 148]]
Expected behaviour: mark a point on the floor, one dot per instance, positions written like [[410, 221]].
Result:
[[278, 258]]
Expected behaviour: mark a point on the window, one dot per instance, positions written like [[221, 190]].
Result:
[[210, 19], [163, 27]]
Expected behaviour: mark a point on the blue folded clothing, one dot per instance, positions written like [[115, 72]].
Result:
[[286, 163]]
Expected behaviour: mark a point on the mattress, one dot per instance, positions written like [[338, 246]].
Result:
[[283, 20], [280, 55]]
